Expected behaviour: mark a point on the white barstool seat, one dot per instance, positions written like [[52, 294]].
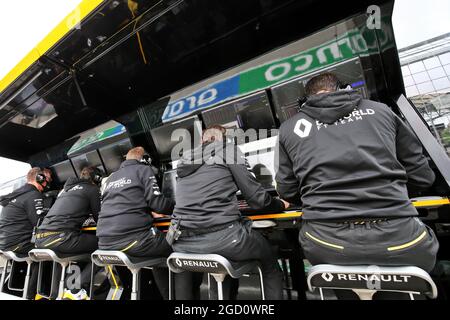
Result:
[[104, 258], [64, 260], [365, 281], [9, 256], [214, 265]]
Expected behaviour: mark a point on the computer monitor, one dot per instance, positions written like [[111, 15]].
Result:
[[286, 95], [169, 184], [90, 159], [113, 155], [250, 112], [63, 171], [260, 157], [167, 137]]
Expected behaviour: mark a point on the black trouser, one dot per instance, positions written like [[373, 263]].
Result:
[[23, 249], [238, 242], [153, 243], [72, 243], [395, 242]]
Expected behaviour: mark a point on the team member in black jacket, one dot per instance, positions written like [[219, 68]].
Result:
[[207, 207], [22, 210], [349, 161], [131, 199], [61, 228]]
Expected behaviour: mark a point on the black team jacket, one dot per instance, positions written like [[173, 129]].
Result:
[[208, 179], [129, 197], [343, 156]]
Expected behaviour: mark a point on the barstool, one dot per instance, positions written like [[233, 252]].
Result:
[[12, 256], [5, 269], [365, 281], [64, 260], [105, 258], [214, 265]]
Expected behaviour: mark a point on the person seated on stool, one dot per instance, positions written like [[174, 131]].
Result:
[[131, 200], [23, 209], [61, 229], [207, 207], [351, 161]]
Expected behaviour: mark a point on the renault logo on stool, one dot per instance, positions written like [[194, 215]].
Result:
[[327, 277], [178, 262]]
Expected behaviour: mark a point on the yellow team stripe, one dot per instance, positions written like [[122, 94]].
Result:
[[48, 244], [324, 242], [115, 283], [406, 245], [131, 245], [68, 23]]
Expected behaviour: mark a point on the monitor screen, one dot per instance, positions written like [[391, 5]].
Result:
[[251, 112], [114, 155], [63, 171], [260, 156], [286, 95], [90, 159], [169, 184], [167, 137]]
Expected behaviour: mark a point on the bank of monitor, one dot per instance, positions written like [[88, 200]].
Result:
[[63, 171], [286, 95], [250, 112], [188, 131]]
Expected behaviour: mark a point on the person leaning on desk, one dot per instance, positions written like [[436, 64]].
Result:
[[351, 162], [22, 211], [131, 200], [61, 228], [207, 214]]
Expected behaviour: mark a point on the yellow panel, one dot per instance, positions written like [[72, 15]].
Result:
[[69, 22], [287, 215], [23, 65]]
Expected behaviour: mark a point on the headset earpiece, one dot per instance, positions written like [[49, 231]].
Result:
[[41, 178], [97, 176], [146, 159], [301, 101], [342, 86]]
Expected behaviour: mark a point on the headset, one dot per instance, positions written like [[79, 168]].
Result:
[[340, 86], [146, 160], [97, 175], [41, 179]]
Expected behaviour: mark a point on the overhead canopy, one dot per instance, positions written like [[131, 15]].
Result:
[[123, 54]]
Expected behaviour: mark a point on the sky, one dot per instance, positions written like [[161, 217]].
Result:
[[414, 21]]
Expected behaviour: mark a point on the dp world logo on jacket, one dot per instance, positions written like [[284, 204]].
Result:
[[303, 127]]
